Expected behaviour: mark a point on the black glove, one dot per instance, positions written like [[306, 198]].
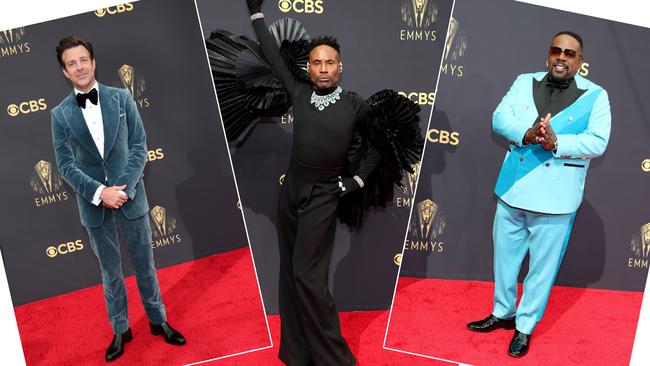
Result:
[[341, 185], [254, 6]]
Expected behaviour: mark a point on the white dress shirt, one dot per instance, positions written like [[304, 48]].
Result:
[[93, 117]]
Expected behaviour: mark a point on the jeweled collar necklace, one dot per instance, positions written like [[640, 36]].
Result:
[[321, 102]]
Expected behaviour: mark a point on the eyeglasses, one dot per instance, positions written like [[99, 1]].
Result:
[[556, 51]]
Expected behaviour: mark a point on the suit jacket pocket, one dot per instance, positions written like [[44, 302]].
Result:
[[574, 165]]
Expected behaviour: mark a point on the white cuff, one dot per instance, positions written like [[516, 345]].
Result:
[[358, 180], [96, 200], [257, 16]]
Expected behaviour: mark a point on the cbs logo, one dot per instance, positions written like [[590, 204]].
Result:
[[397, 259], [420, 97], [114, 9], [443, 137], [156, 154], [64, 248], [29, 106], [645, 165], [301, 6]]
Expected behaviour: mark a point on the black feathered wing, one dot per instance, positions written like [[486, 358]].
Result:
[[246, 86], [392, 127]]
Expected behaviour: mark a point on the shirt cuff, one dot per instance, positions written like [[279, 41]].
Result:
[[359, 181], [96, 200]]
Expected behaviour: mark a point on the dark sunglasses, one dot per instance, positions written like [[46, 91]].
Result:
[[556, 51]]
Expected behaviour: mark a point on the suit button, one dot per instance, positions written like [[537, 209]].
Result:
[[548, 164], [521, 158]]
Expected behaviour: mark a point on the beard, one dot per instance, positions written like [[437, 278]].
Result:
[[559, 71]]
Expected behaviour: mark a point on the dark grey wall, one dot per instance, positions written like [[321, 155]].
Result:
[[375, 57], [188, 174], [503, 39]]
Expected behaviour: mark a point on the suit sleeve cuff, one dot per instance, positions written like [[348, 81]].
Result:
[[96, 200], [519, 136], [560, 148]]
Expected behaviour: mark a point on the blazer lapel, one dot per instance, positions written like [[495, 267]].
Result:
[[110, 115], [78, 125], [569, 115], [575, 118]]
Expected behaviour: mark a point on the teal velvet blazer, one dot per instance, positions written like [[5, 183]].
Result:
[[125, 153]]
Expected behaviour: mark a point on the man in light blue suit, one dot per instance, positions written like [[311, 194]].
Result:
[[541, 182], [100, 147]]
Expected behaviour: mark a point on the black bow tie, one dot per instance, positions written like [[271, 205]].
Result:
[[91, 96], [550, 83]]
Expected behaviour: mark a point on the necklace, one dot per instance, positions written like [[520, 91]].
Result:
[[322, 101]]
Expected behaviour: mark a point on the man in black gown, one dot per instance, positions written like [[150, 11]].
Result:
[[324, 121]]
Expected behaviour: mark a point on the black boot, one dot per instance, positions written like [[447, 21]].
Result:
[[116, 348], [171, 335]]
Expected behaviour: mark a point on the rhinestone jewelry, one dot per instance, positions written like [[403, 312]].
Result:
[[322, 101]]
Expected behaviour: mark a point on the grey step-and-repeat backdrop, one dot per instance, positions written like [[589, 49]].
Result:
[[385, 45], [496, 41], [156, 50]]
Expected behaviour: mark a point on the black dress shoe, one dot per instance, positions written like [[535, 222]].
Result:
[[116, 348], [519, 344], [491, 323], [171, 335]]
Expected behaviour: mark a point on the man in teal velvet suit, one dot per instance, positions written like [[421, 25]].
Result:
[[541, 182], [100, 147]]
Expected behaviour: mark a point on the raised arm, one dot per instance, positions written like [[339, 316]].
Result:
[[270, 48]]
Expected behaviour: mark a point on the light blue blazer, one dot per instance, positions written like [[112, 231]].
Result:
[[125, 153], [534, 179]]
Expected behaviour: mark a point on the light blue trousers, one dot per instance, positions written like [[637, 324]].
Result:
[[137, 240], [515, 233]]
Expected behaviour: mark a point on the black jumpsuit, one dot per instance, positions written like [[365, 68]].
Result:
[[310, 330]]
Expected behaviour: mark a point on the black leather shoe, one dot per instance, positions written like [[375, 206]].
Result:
[[519, 344], [116, 348], [171, 335], [491, 323]]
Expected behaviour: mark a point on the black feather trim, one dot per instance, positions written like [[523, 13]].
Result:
[[392, 126], [246, 86], [296, 55]]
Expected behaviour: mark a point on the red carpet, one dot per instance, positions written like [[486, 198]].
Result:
[[213, 301], [580, 326], [364, 332]]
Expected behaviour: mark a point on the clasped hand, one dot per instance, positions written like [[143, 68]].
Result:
[[542, 133], [113, 197]]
